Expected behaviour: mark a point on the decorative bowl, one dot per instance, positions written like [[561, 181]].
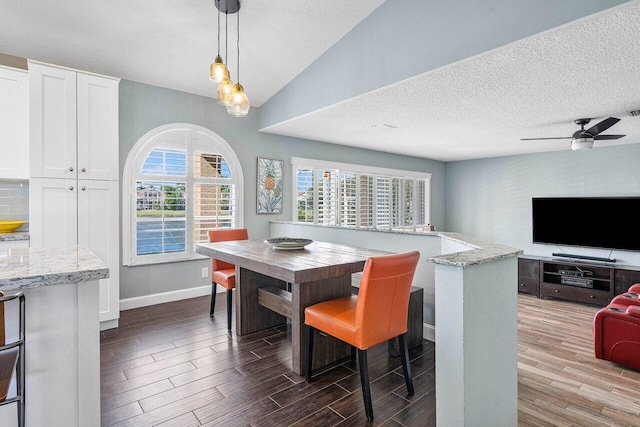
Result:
[[288, 243], [9, 226]]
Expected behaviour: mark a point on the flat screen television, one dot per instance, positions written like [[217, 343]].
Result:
[[597, 222]]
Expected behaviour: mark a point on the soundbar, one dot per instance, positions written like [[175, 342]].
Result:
[[590, 258]]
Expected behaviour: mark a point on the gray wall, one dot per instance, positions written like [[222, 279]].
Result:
[[491, 198], [144, 107]]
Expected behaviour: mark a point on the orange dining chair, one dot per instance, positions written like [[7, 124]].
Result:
[[223, 273], [377, 314]]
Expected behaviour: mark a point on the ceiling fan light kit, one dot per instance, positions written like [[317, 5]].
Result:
[[581, 144], [229, 94], [583, 139]]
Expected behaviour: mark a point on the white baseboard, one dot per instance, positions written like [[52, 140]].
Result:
[[108, 324], [147, 300], [429, 332]]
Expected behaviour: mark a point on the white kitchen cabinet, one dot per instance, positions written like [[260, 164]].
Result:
[[74, 190], [14, 123], [73, 124], [68, 212]]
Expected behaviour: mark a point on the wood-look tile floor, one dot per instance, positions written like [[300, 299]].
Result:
[[173, 365]]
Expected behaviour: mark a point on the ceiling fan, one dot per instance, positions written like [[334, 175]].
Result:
[[583, 139]]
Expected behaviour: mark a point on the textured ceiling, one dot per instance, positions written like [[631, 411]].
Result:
[[482, 106], [171, 43], [475, 108]]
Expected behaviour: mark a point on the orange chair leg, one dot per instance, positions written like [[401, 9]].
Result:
[[364, 381], [406, 368], [213, 298]]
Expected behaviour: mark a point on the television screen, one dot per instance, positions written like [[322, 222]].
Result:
[[598, 222]]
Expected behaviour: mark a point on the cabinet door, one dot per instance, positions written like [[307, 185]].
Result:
[[14, 123], [98, 221], [529, 276], [53, 206], [97, 106], [624, 279], [52, 121]]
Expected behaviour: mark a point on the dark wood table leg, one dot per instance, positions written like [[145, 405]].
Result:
[[250, 316], [326, 349]]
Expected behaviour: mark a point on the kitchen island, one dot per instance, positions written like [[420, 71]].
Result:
[[62, 386]]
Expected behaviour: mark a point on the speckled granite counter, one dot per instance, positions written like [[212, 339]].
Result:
[[478, 252], [13, 237], [61, 290], [30, 268]]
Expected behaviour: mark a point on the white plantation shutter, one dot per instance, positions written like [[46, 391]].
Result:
[[305, 194], [359, 196], [327, 197], [383, 202], [185, 181], [348, 199], [366, 205]]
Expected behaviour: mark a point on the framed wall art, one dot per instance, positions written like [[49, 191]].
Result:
[[270, 186]]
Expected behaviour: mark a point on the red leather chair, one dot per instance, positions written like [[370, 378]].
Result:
[[616, 330], [223, 273], [377, 314], [631, 297]]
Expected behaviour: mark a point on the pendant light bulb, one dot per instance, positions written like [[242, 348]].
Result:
[[218, 70], [224, 91], [240, 104]]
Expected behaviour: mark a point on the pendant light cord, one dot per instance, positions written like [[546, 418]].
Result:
[[218, 31], [226, 37], [238, 43]]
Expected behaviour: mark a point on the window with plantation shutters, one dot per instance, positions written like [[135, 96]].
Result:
[[346, 195], [183, 180]]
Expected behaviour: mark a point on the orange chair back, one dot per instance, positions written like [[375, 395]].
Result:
[[225, 235], [383, 298]]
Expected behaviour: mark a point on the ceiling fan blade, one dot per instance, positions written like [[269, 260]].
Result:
[[601, 137], [602, 126], [538, 139]]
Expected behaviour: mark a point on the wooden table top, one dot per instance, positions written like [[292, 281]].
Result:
[[318, 260]]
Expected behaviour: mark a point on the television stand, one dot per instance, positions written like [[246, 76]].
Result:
[[579, 281], [585, 257]]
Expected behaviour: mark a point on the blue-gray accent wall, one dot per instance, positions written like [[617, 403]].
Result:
[[491, 198], [144, 107]]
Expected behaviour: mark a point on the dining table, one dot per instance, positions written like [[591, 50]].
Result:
[[275, 284]]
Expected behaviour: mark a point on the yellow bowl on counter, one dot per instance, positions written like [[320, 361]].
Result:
[[9, 226]]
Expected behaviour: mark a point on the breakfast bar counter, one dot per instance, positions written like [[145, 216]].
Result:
[[62, 339]]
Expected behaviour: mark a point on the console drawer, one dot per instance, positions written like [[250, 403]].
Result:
[[588, 296], [528, 287]]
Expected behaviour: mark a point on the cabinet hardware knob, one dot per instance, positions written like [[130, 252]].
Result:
[[591, 296], [556, 290], [71, 169], [83, 170], [83, 188], [71, 187], [522, 285]]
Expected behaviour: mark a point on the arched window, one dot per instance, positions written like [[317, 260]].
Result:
[[179, 181]]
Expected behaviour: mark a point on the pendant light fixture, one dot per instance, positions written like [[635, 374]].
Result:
[[218, 70], [239, 105], [226, 86], [229, 94]]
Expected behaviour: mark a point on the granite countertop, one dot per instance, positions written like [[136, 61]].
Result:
[[480, 252], [30, 268], [15, 236]]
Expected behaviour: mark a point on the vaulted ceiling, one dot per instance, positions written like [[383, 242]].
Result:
[[476, 106]]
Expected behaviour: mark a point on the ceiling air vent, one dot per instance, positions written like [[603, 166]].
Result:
[[634, 113]]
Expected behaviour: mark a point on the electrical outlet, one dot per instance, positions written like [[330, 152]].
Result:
[[205, 272]]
